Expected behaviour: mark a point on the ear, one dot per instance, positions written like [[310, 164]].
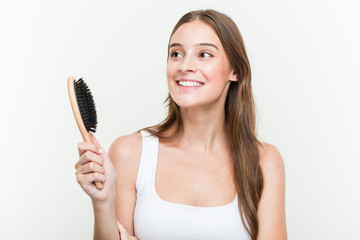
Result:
[[233, 76]]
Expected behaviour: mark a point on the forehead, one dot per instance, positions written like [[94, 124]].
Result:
[[195, 32]]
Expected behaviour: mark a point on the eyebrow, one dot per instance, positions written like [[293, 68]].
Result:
[[198, 44]]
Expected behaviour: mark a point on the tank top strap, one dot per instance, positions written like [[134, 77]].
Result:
[[148, 163]]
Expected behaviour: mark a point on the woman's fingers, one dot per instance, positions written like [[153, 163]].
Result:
[[90, 167], [86, 180], [89, 156], [94, 166], [85, 146], [96, 142], [123, 233]]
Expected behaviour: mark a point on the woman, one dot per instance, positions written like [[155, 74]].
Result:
[[201, 173]]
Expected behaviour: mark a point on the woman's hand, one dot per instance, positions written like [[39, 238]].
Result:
[[124, 235], [95, 165]]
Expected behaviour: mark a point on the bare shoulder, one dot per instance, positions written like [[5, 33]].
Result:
[[271, 161], [125, 153], [125, 146]]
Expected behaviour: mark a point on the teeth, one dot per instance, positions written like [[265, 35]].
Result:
[[189, 84]]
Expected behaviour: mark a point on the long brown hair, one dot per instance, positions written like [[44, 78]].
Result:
[[239, 116]]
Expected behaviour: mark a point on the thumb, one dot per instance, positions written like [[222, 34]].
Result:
[[95, 141]]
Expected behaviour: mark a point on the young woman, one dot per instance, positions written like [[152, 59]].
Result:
[[201, 173]]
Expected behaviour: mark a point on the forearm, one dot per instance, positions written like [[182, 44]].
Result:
[[105, 226]]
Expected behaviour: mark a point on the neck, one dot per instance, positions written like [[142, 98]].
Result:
[[203, 129]]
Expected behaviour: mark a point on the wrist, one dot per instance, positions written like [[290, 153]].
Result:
[[107, 204], [104, 212]]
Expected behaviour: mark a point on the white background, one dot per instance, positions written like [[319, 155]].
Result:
[[305, 62]]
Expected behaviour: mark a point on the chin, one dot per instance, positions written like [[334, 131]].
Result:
[[186, 102], [195, 105]]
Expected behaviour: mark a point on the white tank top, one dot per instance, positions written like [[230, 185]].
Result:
[[157, 219]]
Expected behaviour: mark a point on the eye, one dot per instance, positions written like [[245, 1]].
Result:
[[205, 55], [175, 54]]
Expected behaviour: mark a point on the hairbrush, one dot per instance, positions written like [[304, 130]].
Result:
[[83, 106]]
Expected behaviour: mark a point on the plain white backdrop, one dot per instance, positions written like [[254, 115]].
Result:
[[305, 62]]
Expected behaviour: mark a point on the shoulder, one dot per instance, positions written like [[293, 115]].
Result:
[[125, 153], [127, 145], [271, 161]]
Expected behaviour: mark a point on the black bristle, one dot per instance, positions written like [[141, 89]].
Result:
[[86, 105]]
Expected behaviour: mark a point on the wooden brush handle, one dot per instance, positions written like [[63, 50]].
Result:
[[75, 108]]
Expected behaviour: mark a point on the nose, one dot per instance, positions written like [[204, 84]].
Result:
[[187, 65]]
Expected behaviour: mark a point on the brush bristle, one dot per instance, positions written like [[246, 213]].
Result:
[[86, 105]]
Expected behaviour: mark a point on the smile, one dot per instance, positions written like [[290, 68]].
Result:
[[189, 83]]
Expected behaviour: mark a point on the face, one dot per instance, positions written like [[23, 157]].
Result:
[[198, 71]]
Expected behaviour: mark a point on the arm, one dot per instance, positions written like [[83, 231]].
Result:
[[125, 153], [95, 165], [271, 211], [117, 170], [105, 222]]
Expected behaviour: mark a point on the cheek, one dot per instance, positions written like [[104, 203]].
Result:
[[170, 70], [217, 73]]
